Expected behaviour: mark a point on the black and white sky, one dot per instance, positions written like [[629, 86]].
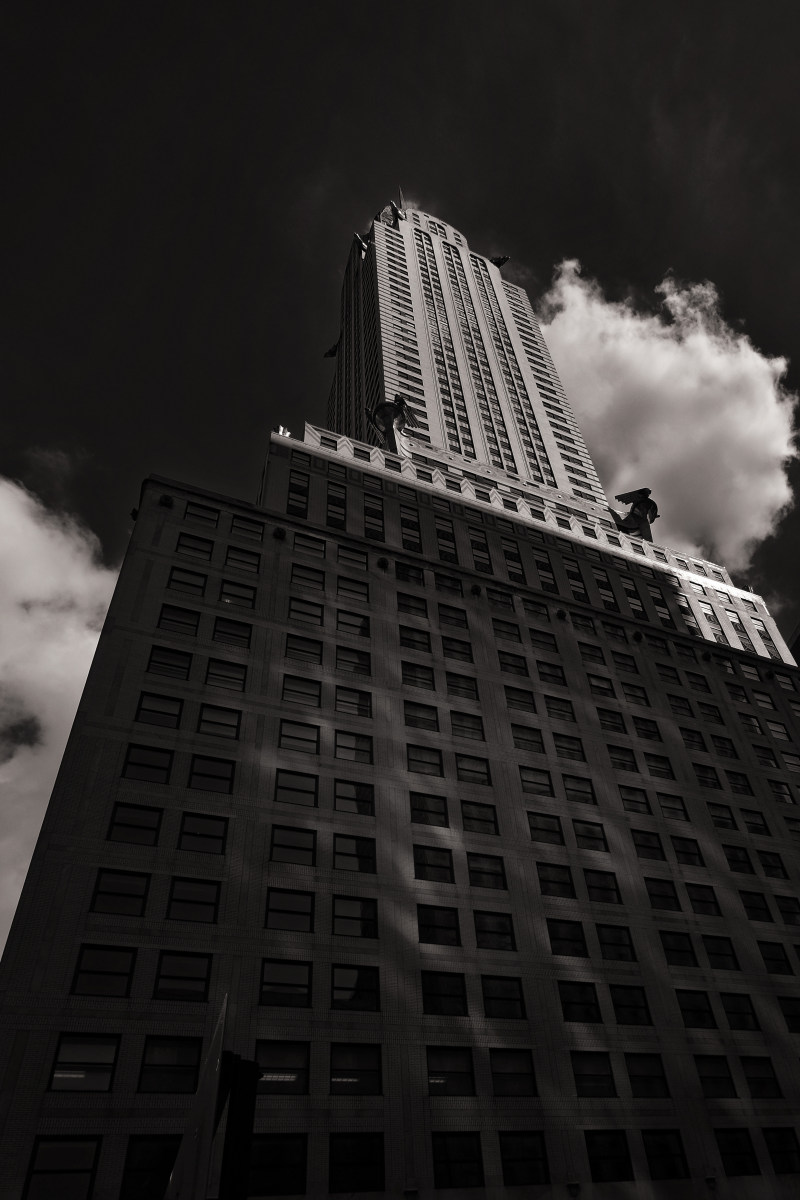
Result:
[[182, 185]]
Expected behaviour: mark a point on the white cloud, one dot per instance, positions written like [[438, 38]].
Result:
[[53, 596], [678, 402]]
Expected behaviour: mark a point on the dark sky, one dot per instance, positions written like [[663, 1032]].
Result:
[[184, 180]]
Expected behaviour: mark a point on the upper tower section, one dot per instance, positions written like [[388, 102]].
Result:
[[425, 317]]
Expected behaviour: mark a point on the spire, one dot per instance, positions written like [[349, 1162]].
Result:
[[401, 203]]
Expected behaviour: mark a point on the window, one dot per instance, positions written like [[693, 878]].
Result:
[[289, 910], [84, 1063], [182, 976], [739, 859], [648, 845], [630, 1004], [591, 654], [678, 949], [299, 690], [687, 851], [191, 582], [170, 1064], [521, 699], [457, 1160], [136, 824], [599, 685], [455, 648], [789, 909], [62, 1166], [663, 894], [672, 807], [194, 547], [421, 716], [761, 1079], [590, 835], [577, 789], [772, 864], [148, 764], [352, 557], [240, 594], [307, 612], [634, 799], [295, 735], [593, 1074], [415, 639], [415, 675], [229, 675], [303, 649], [353, 747], [566, 937], [123, 893], [703, 899], [103, 971], [486, 870], [715, 1076], [696, 1009], [616, 943], [755, 905], [336, 512], [433, 864], [450, 1071], [285, 983], [720, 951], [739, 1011], [283, 1068], [635, 694], [277, 1164], [622, 758], [645, 728], [721, 816], [438, 925], [665, 1154], [293, 787], [244, 527], [425, 760], [502, 997], [569, 747], [737, 1152], [354, 854], [754, 822], [293, 845], [775, 958], [355, 916], [201, 513], [355, 989], [545, 827], [784, 1150], [461, 685], [494, 931], [416, 605], [611, 721], [352, 589], [609, 1158], [579, 1002], [444, 993], [536, 781], [353, 623], [472, 770], [467, 725], [233, 633], [602, 886], [446, 583], [551, 673], [739, 783], [219, 722], [698, 682], [508, 630], [211, 774], [148, 1165], [306, 544], [355, 1069], [357, 662], [555, 880], [174, 664], [512, 1073], [193, 900]]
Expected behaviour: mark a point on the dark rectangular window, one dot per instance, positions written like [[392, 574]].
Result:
[[450, 1071], [103, 971], [216, 721], [244, 527], [494, 931], [593, 1074], [536, 781], [283, 1068], [634, 799], [457, 649], [415, 639], [211, 774], [559, 709], [295, 735], [353, 623], [609, 1157], [438, 925], [695, 1009], [545, 827], [432, 863], [648, 844], [630, 1004], [159, 710], [147, 763], [356, 662], [512, 1073], [703, 899], [299, 690], [503, 997], [352, 747], [461, 685], [457, 1160], [290, 910], [759, 1073], [444, 994], [428, 810], [352, 589], [148, 1165], [416, 675], [123, 893], [179, 620], [182, 976], [578, 789], [424, 760], [486, 870], [354, 854], [355, 989], [772, 864], [456, 617], [229, 675], [415, 605], [666, 1158], [737, 1152], [194, 900], [292, 845], [421, 716], [579, 1002], [678, 949], [306, 612], [602, 886], [738, 1008], [646, 1074], [527, 738], [355, 916], [136, 824], [277, 1164], [84, 1063], [194, 547], [170, 1064], [336, 513], [355, 1069], [524, 1158], [294, 787], [174, 664], [739, 859], [715, 1076], [201, 513], [239, 594], [512, 664], [776, 960], [479, 818], [784, 1150], [555, 880], [589, 835], [62, 1166], [307, 544], [232, 633], [355, 1163], [567, 937], [297, 497], [357, 798], [467, 725], [756, 906], [663, 894], [286, 983], [303, 649], [519, 698], [191, 582], [616, 943]]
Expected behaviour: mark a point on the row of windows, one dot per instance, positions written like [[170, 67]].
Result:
[[355, 1161], [87, 1063]]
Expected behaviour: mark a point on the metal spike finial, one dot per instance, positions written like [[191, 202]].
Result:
[[401, 203]]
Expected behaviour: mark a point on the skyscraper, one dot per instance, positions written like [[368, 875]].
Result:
[[478, 805]]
